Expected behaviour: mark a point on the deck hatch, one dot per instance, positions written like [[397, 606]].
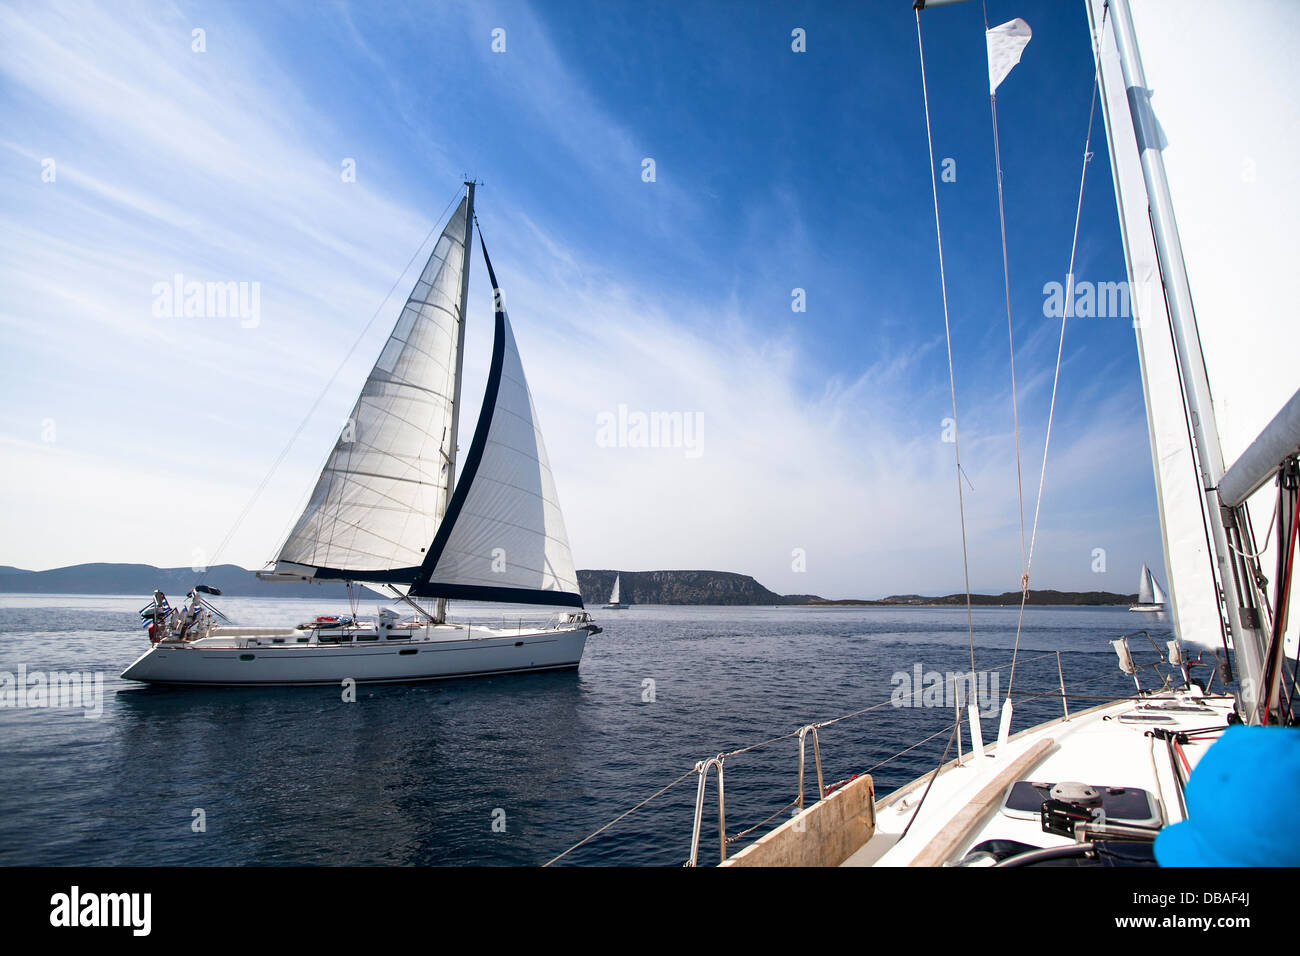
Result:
[[1131, 805]]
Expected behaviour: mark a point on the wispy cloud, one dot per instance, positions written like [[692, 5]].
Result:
[[226, 165]]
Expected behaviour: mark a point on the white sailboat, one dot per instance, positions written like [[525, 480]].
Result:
[[1203, 185], [388, 512], [1150, 596], [614, 603]]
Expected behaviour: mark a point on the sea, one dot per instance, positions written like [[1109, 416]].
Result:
[[513, 770]]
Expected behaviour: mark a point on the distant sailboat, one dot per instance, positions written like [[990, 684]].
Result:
[[1150, 597], [389, 512], [614, 603]]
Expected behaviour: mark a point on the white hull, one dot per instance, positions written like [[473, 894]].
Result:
[[1149, 608], [448, 651]]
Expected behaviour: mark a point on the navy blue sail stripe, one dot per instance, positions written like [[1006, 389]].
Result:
[[477, 592], [390, 576]]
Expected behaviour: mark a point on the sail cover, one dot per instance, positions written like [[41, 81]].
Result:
[[381, 494], [503, 538], [1227, 129]]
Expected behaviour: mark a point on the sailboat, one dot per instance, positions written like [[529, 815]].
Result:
[[614, 603], [389, 513], [1150, 597], [1190, 96]]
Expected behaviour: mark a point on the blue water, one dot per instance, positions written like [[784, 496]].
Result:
[[419, 774]]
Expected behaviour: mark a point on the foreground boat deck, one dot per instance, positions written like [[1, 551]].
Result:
[[1109, 746]]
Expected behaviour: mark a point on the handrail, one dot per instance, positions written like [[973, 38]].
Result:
[[1061, 674], [817, 757], [702, 768]]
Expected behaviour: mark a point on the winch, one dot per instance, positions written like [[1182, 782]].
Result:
[[1069, 803]]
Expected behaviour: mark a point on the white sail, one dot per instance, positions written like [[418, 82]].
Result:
[[504, 536], [1146, 589], [1157, 595], [379, 498], [1227, 142], [613, 595]]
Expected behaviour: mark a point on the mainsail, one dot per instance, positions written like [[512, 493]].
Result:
[[1227, 148], [503, 537], [1146, 587], [613, 595], [381, 493]]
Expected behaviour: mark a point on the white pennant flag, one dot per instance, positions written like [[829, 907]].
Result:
[[1006, 43]]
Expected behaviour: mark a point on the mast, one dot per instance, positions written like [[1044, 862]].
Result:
[[440, 615], [1243, 618]]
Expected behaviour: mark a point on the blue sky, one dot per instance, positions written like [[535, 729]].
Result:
[[133, 437]]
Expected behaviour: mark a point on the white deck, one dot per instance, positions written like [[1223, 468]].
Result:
[[1101, 747]]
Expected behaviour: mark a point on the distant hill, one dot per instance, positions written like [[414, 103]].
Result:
[[728, 588], [142, 579], [678, 587], [638, 587], [1087, 598]]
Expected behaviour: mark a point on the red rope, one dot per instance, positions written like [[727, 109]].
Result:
[[1279, 620]]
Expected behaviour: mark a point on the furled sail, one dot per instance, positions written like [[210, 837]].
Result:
[[1227, 133], [383, 490], [503, 538]]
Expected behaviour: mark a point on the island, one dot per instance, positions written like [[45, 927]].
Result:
[[726, 588]]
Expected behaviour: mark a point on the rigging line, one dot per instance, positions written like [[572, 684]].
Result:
[[947, 331], [956, 729], [592, 836], [947, 728], [1011, 344], [1060, 349], [1268, 538], [257, 493]]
